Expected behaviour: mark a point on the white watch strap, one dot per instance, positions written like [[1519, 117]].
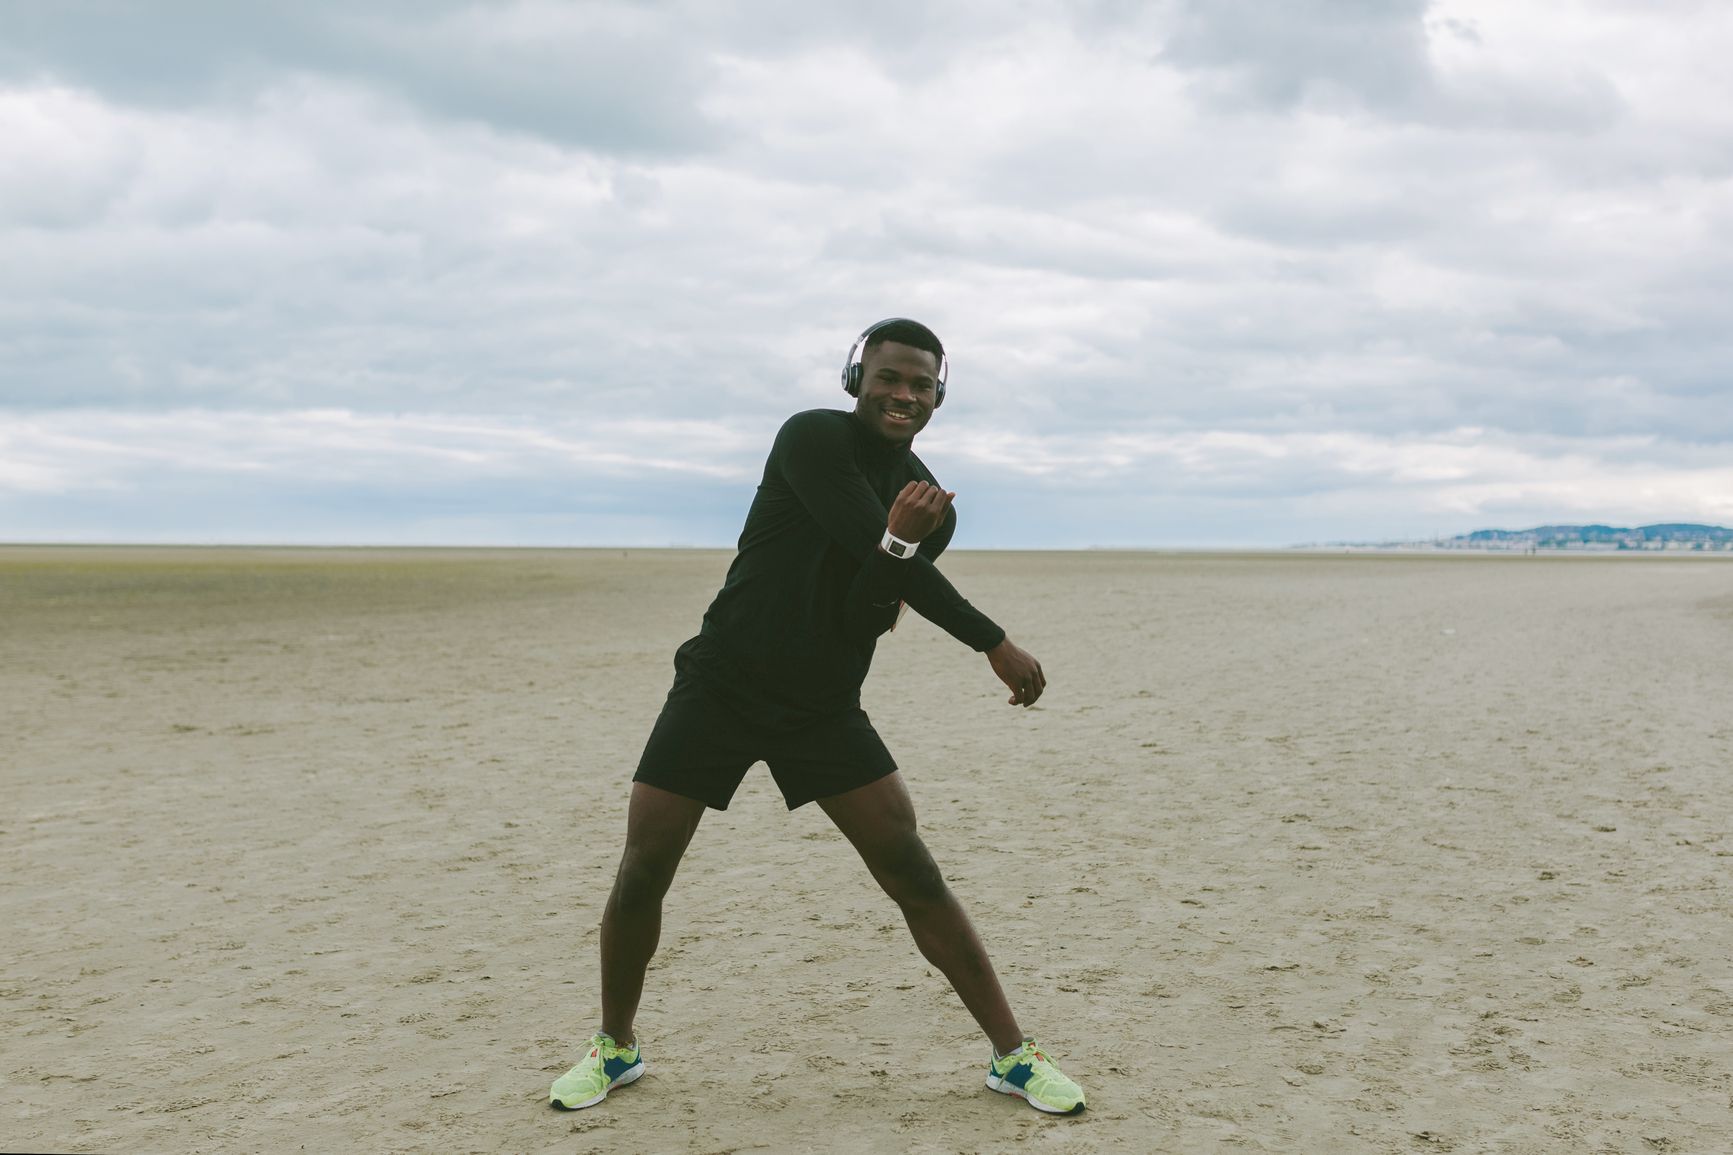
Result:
[[896, 546]]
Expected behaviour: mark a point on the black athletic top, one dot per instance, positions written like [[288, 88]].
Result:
[[790, 635]]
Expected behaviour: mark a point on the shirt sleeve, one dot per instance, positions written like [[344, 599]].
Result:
[[816, 455], [875, 599]]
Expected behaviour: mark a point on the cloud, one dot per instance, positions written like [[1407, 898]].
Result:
[[562, 483], [1135, 225], [64, 452], [1282, 55], [624, 78], [336, 476]]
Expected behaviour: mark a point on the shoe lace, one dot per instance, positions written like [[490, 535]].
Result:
[[1030, 1052]]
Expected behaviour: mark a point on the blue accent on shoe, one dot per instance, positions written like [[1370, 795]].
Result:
[[615, 1067], [1018, 1076]]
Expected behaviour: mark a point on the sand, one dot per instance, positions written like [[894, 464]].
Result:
[[306, 850]]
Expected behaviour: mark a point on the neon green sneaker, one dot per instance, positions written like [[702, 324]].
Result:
[[606, 1066], [1030, 1075]]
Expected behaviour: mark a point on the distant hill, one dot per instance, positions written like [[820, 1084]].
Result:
[[1665, 536]]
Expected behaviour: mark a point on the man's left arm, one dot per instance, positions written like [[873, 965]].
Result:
[[922, 513], [815, 456]]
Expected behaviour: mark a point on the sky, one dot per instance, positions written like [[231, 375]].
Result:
[[1209, 272]]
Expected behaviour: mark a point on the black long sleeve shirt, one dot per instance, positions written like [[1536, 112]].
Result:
[[790, 636]]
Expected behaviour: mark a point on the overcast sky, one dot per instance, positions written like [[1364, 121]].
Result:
[[1211, 272]]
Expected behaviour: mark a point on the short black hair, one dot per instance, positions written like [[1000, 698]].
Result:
[[906, 332]]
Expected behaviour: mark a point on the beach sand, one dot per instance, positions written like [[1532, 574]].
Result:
[[306, 849]]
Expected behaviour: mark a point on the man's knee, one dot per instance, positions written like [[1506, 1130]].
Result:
[[659, 827], [645, 876], [908, 873]]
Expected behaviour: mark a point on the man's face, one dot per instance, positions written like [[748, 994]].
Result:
[[898, 383]]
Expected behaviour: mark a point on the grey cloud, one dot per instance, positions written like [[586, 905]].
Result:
[[1280, 55], [168, 53], [1582, 103], [621, 78], [626, 77], [1373, 57]]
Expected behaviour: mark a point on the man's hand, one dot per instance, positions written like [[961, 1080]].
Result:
[[1018, 669], [918, 510]]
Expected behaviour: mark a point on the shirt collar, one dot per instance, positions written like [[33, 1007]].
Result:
[[874, 447]]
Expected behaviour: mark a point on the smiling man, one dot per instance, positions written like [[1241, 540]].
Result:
[[845, 527]]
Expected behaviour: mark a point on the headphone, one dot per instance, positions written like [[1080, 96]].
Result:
[[852, 369]]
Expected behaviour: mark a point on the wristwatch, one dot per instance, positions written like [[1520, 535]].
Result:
[[896, 546]]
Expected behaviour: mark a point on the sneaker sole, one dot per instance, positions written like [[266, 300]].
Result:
[[1005, 1087], [631, 1076]]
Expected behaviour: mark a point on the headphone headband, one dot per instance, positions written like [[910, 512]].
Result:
[[851, 367]]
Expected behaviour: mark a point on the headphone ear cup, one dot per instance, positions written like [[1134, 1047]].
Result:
[[939, 395], [854, 375]]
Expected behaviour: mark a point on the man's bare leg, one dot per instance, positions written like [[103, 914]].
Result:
[[879, 819], [659, 827]]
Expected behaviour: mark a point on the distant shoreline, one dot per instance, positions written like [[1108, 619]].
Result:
[[1320, 548], [1513, 551]]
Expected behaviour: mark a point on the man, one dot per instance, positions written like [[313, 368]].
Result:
[[774, 675]]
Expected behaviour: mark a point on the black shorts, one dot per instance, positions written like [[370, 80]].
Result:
[[702, 746]]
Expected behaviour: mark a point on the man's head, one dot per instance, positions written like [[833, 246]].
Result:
[[899, 380]]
